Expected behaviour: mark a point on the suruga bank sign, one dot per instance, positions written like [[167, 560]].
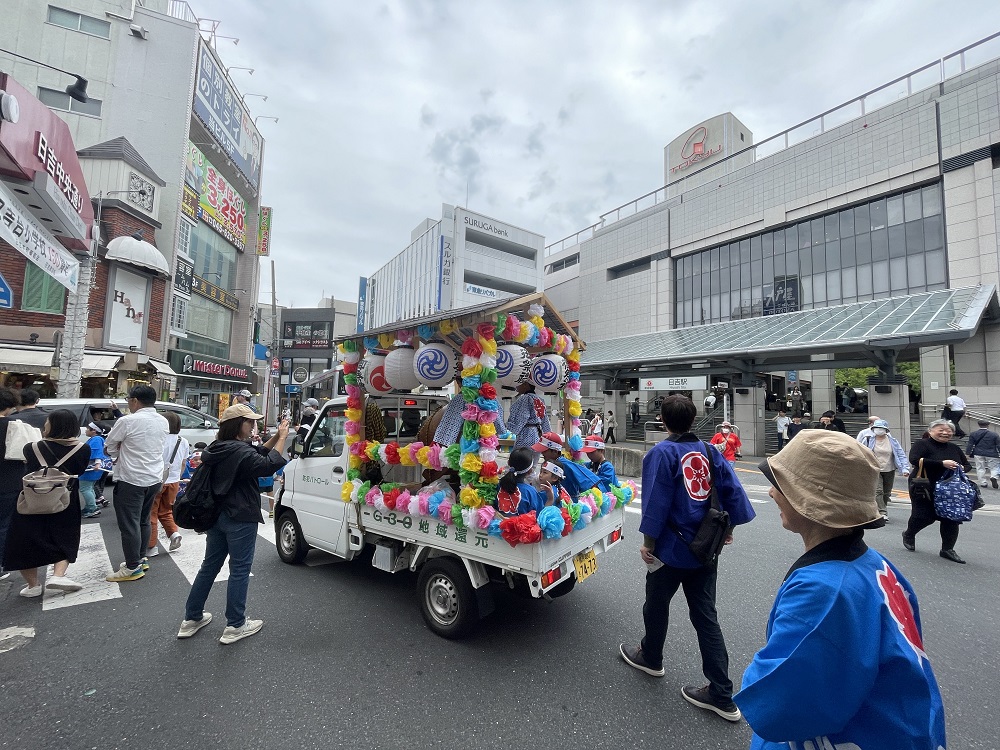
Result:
[[704, 144]]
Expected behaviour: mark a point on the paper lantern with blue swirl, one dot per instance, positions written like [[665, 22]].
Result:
[[434, 365], [399, 369], [549, 372], [513, 363]]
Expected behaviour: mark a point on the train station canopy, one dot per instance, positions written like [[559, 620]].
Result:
[[852, 335]]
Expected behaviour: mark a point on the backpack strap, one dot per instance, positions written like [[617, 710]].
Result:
[[176, 446], [65, 458], [39, 456]]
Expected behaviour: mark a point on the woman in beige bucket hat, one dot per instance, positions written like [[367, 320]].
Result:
[[844, 657]]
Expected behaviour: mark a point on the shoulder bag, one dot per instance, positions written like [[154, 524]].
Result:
[[955, 496], [166, 469], [710, 538], [19, 434], [920, 485]]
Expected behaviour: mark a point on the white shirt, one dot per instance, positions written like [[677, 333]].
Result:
[[782, 423], [136, 445], [955, 403], [183, 452]]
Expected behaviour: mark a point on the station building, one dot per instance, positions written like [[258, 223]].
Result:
[[862, 237]]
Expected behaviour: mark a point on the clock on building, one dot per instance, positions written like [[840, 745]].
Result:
[[140, 192]]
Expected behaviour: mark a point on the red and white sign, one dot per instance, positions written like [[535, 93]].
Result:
[[696, 149]]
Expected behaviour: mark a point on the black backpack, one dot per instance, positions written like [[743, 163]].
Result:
[[198, 508]]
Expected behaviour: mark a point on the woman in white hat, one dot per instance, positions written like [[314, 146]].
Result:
[[891, 458], [235, 466], [844, 664]]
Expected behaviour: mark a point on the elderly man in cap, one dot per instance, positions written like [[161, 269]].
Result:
[[679, 477], [242, 397], [844, 665], [578, 477]]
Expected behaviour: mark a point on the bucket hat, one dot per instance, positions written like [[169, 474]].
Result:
[[239, 411], [827, 477]]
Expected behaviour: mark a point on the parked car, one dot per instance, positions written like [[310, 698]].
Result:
[[196, 426]]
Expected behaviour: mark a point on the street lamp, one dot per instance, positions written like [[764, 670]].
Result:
[[239, 67], [262, 96], [77, 90], [262, 117], [74, 339]]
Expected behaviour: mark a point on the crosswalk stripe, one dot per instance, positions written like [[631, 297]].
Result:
[[11, 638], [91, 566]]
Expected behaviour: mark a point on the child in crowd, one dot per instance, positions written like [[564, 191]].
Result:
[[604, 469], [266, 487], [516, 495], [550, 479], [99, 464]]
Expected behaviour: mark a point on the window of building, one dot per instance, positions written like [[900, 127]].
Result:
[[891, 246], [214, 258], [55, 99], [41, 292], [208, 327], [184, 238], [559, 265], [178, 314], [79, 22]]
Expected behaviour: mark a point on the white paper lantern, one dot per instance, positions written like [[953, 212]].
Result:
[[371, 374], [549, 372], [434, 365], [399, 369], [513, 364]]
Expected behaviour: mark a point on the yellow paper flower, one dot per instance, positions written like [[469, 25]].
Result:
[[354, 461], [487, 430], [489, 346], [472, 462], [404, 457], [353, 415], [447, 327], [490, 480], [470, 498], [468, 372], [574, 408], [351, 439], [423, 456], [573, 356], [346, 490]]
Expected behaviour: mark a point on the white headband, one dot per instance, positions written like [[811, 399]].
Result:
[[553, 468], [552, 444]]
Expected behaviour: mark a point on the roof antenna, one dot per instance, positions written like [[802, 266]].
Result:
[[466, 192]]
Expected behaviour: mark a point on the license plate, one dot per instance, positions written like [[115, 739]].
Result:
[[585, 564]]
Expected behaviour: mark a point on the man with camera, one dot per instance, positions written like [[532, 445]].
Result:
[[685, 481]]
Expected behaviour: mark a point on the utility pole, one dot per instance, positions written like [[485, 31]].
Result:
[[274, 347]]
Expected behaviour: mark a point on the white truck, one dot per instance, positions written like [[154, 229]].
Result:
[[457, 567]]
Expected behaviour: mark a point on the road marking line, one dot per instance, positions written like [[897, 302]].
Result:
[[189, 556], [11, 638], [92, 565]]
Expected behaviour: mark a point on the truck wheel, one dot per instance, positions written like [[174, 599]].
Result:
[[447, 599], [292, 548]]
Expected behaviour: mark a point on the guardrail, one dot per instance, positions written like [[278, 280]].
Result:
[[931, 74]]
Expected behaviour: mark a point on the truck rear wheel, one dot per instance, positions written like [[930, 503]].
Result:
[[292, 547], [447, 600]]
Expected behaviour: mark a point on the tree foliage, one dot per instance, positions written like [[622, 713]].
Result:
[[857, 377]]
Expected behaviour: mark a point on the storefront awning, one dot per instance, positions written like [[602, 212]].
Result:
[[99, 365], [34, 361], [163, 369]]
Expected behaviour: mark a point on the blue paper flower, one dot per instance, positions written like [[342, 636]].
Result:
[[551, 522], [494, 528], [433, 502]]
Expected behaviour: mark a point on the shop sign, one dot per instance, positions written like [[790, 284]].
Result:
[[447, 266], [362, 302], [676, 383], [219, 204], [482, 291], [189, 203], [214, 293], [264, 231], [18, 229], [695, 149], [183, 276], [306, 335], [300, 375], [220, 107], [782, 296], [129, 301], [192, 366], [51, 164]]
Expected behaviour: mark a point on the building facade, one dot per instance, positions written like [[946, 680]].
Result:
[[463, 258], [886, 201], [157, 81]]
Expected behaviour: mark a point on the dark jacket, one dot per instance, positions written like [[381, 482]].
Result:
[[984, 443], [33, 416], [236, 466], [934, 453]]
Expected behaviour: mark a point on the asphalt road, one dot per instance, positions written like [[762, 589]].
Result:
[[345, 660]]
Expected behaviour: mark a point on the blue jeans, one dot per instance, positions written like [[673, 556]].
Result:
[[238, 540], [699, 590], [88, 495]]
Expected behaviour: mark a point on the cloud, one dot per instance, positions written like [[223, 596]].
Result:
[[534, 145]]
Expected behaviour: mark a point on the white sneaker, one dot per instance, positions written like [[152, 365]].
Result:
[[62, 583], [152, 552], [190, 627], [175, 541], [248, 628], [30, 592]]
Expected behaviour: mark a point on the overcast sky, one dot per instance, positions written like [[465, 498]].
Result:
[[550, 113]]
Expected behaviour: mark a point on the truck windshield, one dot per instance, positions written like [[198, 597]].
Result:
[[328, 437]]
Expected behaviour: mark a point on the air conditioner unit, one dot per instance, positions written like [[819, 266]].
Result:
[[139, 31]]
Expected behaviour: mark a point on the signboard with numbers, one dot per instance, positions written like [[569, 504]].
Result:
[[220, 107], [219, 204]]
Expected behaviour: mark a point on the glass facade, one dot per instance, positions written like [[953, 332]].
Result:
[[214, 258], [208, 328], [890, 246]]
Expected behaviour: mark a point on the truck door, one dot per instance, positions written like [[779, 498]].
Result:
[[319, 476]]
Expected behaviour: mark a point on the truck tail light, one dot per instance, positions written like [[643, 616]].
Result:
[[550, 577], [614, 536]]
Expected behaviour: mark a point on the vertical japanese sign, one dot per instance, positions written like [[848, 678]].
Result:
[[362, 302], [446, 263], [18, 229], [219, 106], [264, 231]]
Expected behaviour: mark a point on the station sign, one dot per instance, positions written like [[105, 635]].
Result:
[[674, 383]]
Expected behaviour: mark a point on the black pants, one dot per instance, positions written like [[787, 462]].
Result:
[[699, 590], [922, 515], [610, 437], [132, 507]]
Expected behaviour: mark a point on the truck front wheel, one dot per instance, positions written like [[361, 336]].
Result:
[[447, 599], [292, 548]]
